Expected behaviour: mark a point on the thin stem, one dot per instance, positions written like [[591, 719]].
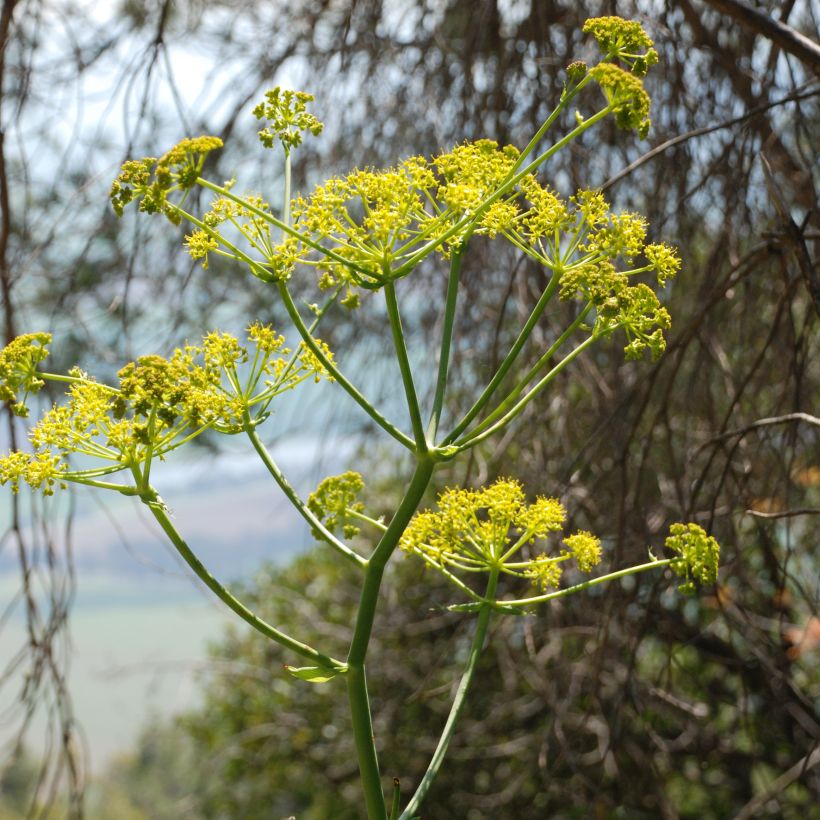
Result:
[[285, 228], [396, 807], [59, 377], [543, 360], [446, 342], [404, 366], [622, 573], [566, 98], [374, 522], [334, 371], [356, 678], [286, 203], [152, 500], [256, 266], [471, 441], [509, 359], [125, 489], [458, 702], [294, 499]]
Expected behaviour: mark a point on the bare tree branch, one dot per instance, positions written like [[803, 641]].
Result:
[[789, 39]]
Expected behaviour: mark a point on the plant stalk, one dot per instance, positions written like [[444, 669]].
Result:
[[356, 677]]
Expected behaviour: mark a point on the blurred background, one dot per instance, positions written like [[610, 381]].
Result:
[[124, 690]]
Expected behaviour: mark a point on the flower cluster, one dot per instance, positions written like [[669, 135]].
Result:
[[18, 369], [334, 502], [626, 94], [251, 218], [624, 40], [150, 180], [485, 529], [584, 240], [699, 555], [288, 118], [158, 405], [373, 221]]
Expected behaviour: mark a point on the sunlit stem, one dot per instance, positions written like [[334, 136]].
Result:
[[542, 362], [294, 498], [458, 702], [446, 343], [59, 377], [566, 98], [360, 516], [285, 228], [76, 478], [509, 359], [286, 203], [152, 500], [256, 266], [561, 593], [400, 347], [450, 576], [472, 440], [334, 371]]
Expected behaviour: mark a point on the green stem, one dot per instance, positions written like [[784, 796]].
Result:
[[543, 360], [334, 371], [102, 485], [294, 499], [286, 203], [404, 367], [59, 377], [396, 807], [356, 678], [509, 360], [152, 500], [257, 267], [269, 217], [474, 439], [563, 103], [446, 342], [561, 593], [458, 702]]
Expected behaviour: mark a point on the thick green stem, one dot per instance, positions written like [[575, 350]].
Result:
[[404, 367], [458, 702], [368, 759], [446, 343], [294, 499], [509, 359], [356, 677], [334, 371], [152, 500]]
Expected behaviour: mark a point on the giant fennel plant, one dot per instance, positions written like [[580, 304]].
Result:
[[358, 236]]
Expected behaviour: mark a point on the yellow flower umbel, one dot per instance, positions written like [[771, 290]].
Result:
[[159, 405], [699, 555], [18, 369], [598, 254], [484, 530]]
